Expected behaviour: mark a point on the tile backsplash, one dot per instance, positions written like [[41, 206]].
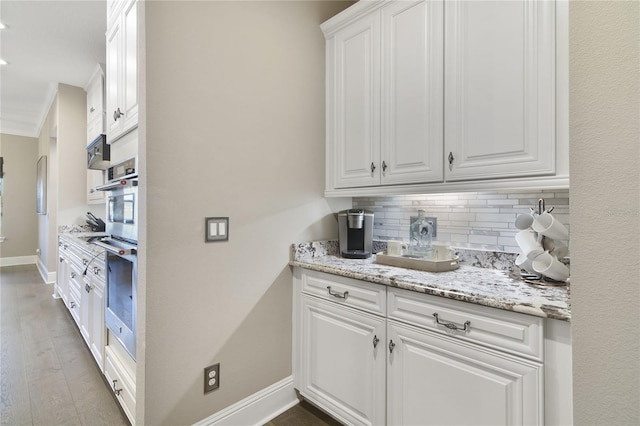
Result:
[[478, 220]]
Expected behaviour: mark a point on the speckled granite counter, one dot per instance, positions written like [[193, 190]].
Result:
[[78, 238], [479, 285]]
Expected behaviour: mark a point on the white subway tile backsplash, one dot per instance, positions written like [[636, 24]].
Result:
[[480, 220]]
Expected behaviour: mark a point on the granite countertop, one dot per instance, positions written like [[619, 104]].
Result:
[[490, 286], [77, 237]]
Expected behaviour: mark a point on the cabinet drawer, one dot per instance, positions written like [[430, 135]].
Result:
[[358, 294], [121, 384], [503, 330]]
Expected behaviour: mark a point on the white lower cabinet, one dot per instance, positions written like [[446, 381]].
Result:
[[344, 361], [394, 363], [121, 378], [435, 379]]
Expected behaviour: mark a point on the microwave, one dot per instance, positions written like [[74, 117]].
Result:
[[99, 154]]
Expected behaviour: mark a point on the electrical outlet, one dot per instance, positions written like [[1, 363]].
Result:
[[211, 378]]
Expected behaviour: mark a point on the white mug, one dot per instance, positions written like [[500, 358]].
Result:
[[441, 252], [523, 262], [529, 244], [549, 226], [394, 248], [556, 248], [551, 267]]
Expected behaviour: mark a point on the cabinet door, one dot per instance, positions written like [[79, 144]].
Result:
[[95, 108], [95, 178], [499, 89], [343, 361], [62, 278], [97, 331], [85, 310], [113, 86], [435, 379], [412, 92], [129, 57], [353, 104]]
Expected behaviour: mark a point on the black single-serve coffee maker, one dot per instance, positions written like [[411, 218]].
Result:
[[355, 230]]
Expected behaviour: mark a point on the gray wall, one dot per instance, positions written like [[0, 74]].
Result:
[[234, 127], [605, 216], [19, 218]]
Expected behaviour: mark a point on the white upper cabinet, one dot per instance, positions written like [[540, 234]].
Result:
[[500, 89], [384, 96], [412, 92], [446, 95], [353, 104], [96, 105], [122, 70]]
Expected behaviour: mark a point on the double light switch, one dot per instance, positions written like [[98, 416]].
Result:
[[216, 229]]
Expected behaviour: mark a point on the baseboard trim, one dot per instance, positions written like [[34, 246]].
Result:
[[19, 260], [257, 409], [47, 277]]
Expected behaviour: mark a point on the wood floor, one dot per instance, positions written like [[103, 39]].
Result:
[[47, 374], [303, 414]]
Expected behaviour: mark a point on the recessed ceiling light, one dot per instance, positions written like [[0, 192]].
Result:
[[3, 62], [2, 26]]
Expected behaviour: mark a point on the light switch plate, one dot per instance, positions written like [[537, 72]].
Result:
[[216, 229]]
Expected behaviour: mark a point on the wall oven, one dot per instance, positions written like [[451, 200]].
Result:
[[121, 254]]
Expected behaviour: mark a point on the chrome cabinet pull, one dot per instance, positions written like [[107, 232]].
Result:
[[92, 109], [72, 305], [85, 262], [375, 341], [391, 346], [96, 270], [87, 288], [115, 390], [451, 158], [61, 259], [452, 326], [373, 167], [384, 166], [336, 294], [117, 114], [73, 274]]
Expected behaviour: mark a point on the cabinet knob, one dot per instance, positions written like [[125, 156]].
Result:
[[375, 341], [391, 346], [451, 158], [384, 166], [92, 109], [117, 114], [87, 288], [73, 275], [373, 167]]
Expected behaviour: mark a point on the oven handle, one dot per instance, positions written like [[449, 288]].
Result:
[[115, 250]]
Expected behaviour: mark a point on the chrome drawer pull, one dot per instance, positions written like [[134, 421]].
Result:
[[375, 341], [336, 294], [391, 346], [452, 326], [116, 391]]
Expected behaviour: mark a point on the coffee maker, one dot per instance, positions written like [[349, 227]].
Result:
[[355, 229]]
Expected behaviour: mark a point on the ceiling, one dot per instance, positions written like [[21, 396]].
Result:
[[45, 43]]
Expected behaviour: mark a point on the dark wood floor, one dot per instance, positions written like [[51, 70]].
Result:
[[303, 414], [47, 373]]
